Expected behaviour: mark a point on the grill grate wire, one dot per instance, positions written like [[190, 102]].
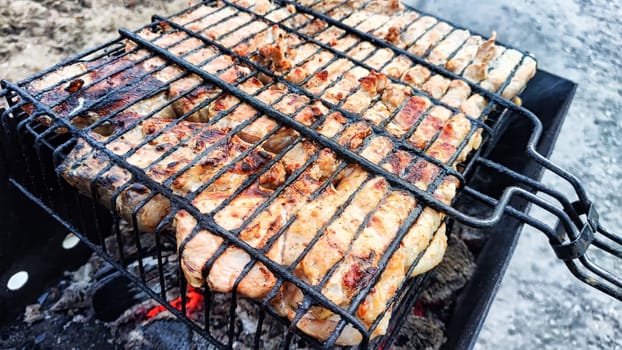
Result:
[[580, 231]]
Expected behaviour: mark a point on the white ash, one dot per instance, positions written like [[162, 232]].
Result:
[[76, 296], [79, 318], [33, 314]]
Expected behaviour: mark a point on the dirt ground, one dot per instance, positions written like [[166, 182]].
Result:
[[37, 34]]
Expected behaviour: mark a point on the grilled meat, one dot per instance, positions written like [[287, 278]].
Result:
[[146, 120]]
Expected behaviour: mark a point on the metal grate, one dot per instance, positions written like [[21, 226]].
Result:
[[50, 125]]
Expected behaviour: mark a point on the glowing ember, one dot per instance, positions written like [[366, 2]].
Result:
[[194, 304], [418, 309]]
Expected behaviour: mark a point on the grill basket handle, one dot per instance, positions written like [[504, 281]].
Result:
[[578, 236], [575, 251]]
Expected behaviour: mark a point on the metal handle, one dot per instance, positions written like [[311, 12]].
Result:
[[578, 232], [578, 238]]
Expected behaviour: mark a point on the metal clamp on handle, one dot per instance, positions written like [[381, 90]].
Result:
[[592, 243], [577, 247]]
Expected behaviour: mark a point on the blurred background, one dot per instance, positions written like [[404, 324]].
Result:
[[540, 304]]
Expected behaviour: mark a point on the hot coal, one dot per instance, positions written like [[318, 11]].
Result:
[[98, 307], [451, 274], [472, 237], [127, 295], [420, 333], [162, 335]]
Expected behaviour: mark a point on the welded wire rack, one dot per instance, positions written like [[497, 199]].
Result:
[[52, 119]]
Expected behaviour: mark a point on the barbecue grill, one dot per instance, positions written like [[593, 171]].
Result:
[[43, 143]]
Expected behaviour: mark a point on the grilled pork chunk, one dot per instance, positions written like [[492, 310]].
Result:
[[146, 121]]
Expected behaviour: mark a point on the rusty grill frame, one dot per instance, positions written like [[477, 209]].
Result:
[[576, 219]]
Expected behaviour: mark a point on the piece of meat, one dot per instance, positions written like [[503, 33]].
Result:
[[457, 93], [476, 71], [429, 39], [500, 73], [379, 59], [474, 106], [93, 93], [436, 86], [228, 266], [416, 76], [417, 29], [409, 115], [397, 67], [391, 31], [359, 257], [519, 80], [95, 175], [438, 55], [464, 55], [372, 22], [473, 57], [429, 126]]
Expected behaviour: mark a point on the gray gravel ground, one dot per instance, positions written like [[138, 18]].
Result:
[[540, 305]]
